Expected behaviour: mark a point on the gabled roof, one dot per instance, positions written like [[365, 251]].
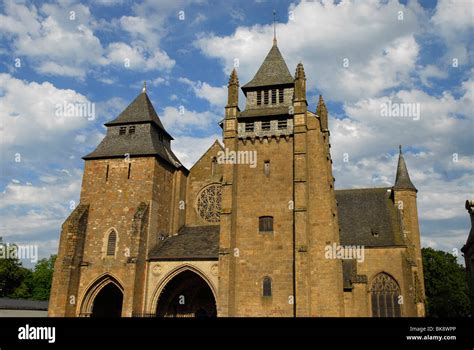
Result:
[[368, 217], [139, 111], [402, 181], [273, 71]]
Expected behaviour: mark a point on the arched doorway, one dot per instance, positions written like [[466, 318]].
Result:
[[186, 295], [108, 302]]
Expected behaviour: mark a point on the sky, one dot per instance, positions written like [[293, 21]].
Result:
[[360, 55]]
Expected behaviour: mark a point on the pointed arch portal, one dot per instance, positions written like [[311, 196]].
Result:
[[108, 302], [186, 295], [104, 298]]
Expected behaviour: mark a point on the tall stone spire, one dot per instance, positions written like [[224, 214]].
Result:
[[322, 112], [402, 181]]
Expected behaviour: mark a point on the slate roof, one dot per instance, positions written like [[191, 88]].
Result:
[[144, 142], [22, 304], [368, 217], [273, 71], [402, 181], [140, 110], [362, 212], [191, 243], [265, 111]]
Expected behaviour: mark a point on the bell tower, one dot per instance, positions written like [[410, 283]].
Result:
[[278, 202]]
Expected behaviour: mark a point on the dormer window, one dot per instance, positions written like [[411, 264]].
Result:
[[131, 129], [122, 130]]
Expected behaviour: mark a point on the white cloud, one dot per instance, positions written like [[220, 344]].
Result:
[[429, 72], [181, 121], [216, 96], [189, 149], [381, 50], [58, 39], [453, 21], [29, 112]]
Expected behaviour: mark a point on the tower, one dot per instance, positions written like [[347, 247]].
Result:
[[130, 193], [404, 196], [279, 212]]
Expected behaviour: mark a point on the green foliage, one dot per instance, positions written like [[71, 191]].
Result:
[[41, 278], [446, 288], [19, 282]]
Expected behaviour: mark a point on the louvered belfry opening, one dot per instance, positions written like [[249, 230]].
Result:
[[111, 242]]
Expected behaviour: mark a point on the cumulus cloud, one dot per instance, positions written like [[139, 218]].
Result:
[[181, 121], [216, 96], [363, 57], [58, 39], [453, 21]]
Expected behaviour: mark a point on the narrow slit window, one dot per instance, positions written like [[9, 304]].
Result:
[[266, 168], [107, 173], [266, 224], [259, 97], [280, 95], [129, 170], [111, 243], [131, 129], [213, 166], [267, 287], [265, 97]]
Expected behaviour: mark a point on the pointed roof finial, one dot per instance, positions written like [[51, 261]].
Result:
[[402, 180], [144, 87], [274, 28]]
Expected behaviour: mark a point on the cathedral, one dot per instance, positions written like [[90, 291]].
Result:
[[254, 228]]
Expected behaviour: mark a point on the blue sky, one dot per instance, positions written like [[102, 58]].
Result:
[[58, 52]]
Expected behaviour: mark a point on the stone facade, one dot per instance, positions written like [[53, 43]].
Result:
[[245, 231]]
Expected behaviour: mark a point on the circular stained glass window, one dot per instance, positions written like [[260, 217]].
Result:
[[209, 203]]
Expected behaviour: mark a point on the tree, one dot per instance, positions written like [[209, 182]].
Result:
[[42, 277], [446, 288]]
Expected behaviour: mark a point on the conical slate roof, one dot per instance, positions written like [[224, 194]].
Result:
[[402, 181], [139, 111], [273, 71]]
